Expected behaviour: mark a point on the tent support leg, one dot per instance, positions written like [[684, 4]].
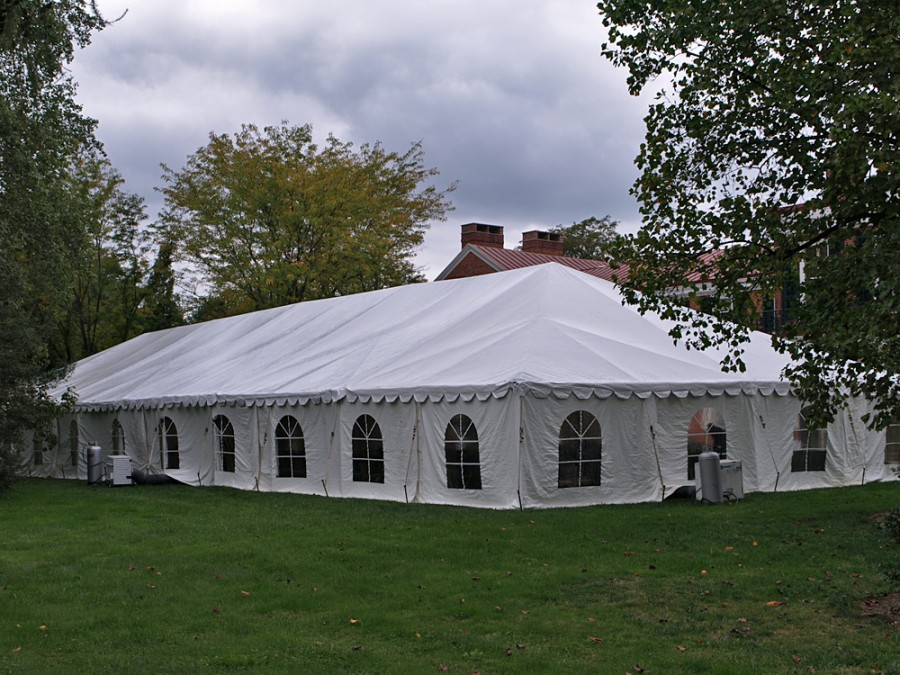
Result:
[[325, 487]]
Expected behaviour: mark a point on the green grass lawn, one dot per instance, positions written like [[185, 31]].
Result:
[[178, 579]]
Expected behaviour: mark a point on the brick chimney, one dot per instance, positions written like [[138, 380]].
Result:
[[482, 235], [548, 243]]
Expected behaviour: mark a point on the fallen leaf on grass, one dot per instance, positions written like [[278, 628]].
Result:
[[680, 648], [217, 609], [509, 651], [742, 620], [354, 621], [130, 568], [729, 548], [796, 659], [16, 650], [42, 627], [774, 603], [596, 640], [520, 645], [245, 593], [151, 586], [525, 611], [443, 668], [637, 668]]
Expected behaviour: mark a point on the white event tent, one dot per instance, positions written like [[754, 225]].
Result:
[[529, 388]]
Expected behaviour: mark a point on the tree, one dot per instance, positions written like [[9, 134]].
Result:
[[41, 128], [268, 217], [591, 238], [775, 133], [108, 274], [161, 309]]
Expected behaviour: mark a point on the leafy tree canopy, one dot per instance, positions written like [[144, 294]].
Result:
[[776, 132], [268, 217], [41, 128], [106, 293], [591, 238]]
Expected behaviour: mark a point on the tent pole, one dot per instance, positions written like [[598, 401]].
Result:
[[412, 447], [645, 406], [521, 444]]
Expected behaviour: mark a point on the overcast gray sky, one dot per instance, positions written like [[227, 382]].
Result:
[[512, 100]]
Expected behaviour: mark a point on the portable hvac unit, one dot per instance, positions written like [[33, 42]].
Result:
[[728, 481], [732, 479], [119, 470]]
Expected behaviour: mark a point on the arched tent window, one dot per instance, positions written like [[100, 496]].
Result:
[[118, 438], [809, 446], [706, 431], [225, 446], [290, 449], [461, 452], [892, 444], [73, 442], [368, 451], [580, 447], [168, 443]]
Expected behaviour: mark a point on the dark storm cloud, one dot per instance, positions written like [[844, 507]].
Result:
[[516, 105]]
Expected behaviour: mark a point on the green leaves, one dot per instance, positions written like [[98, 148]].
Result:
[[775, 133], [590, 238], [41, 129], [268, 217]]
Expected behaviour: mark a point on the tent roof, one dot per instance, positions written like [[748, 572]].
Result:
[[549, 329]]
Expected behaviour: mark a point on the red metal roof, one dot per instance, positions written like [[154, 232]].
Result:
[[507, 259]]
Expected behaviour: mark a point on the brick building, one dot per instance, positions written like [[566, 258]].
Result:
[[483, 252]]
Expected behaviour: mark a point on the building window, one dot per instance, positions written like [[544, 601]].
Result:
[[73, 442], [168, 443], [290, 449], [224, 436], [809, 446], [892, 444], [706, 431], [368, 451], [461, 452], [118, 438], [580, 447]]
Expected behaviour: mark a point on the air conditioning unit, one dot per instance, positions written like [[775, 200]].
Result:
[[730, 482], [732, 479], [118, 470]]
